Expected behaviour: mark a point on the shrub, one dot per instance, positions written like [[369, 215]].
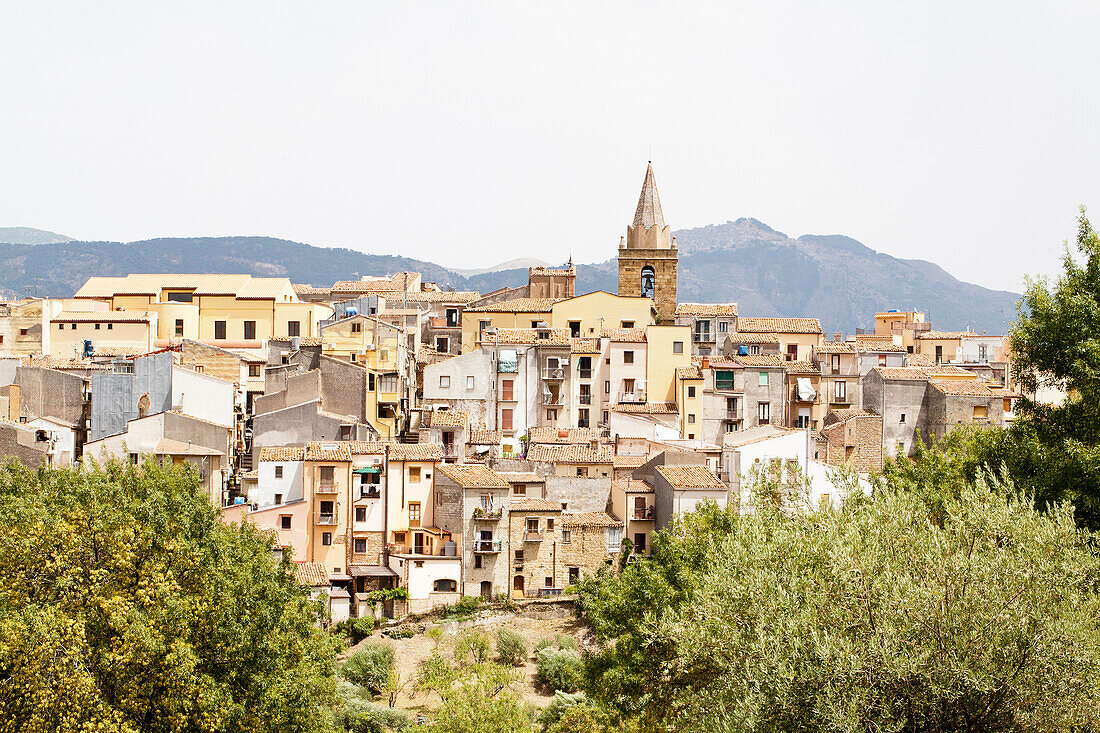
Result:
[[355, 629], [365, 717], [558, 707], [468, 606], [473, 646], [559, 670], [546, 642], [565, 641], [511, 647], [370, 667]]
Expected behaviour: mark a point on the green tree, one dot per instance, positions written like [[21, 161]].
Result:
[[882, 616], [477, 697], [370, 667], [125, 604]]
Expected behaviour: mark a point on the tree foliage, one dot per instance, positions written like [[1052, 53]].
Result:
[[478, 697], [370, 667], [886, 615], [125, 604]]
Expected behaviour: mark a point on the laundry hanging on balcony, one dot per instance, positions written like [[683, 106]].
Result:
[[509, 361], [806, 391]]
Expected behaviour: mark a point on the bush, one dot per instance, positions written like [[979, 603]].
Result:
[[370, 667], [468, 606], [546, 642], [566, 642], [559, 670], [511, 647], [365, 717], [473, 646], [355, 629]]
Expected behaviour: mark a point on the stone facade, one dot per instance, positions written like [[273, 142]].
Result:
[[854, 441], [535, 555], [648, 257]]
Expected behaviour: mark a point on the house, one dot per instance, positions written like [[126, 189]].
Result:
[[710, 325], [902, 328], [635, 502], [475, 501], [22, 444], [798, 337], [480, 319], [73, 333], [21, 327], [852, 437], [680, 481], [942, 346]]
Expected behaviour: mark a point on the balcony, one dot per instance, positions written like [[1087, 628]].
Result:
[[643, 514], [487, 547], [734, 414], [552, 400], [325, 518], [486, 515], [704, 337], [449, 450], [843, 399], [533, 537], [637, 395], [369, 492], [724, 385], [585, 399], [555, 373], [325, 488], [426, 550], [584, 373]]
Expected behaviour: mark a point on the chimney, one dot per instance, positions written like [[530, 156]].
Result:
[[838, 336], [13, 402], [706, 362]]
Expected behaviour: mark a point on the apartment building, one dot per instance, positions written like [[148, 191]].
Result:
[[797, 337], [710, 324], [479, 498]]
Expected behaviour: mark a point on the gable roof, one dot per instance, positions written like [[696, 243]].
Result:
[[544, 434], [572, 453], [779, 325], [647, 408], [528, 336], [532, 504], [636, 335], [690, 477], [517, 305], [317, 450], [283, 453], [589, 519], [473, 476], [706, 309]]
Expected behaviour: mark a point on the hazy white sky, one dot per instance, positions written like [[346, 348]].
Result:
[[470, 133]]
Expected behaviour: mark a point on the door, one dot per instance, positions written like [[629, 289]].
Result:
[[486, 591], [418, 543], [517, 587]]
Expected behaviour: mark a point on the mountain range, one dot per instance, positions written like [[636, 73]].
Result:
[[831, 277]]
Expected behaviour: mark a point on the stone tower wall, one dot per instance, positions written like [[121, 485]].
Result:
[[664, 264]]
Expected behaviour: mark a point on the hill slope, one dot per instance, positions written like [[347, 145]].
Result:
[[834, 278], [28, 235]]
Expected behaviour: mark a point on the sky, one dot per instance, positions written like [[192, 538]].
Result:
[[471, 133]]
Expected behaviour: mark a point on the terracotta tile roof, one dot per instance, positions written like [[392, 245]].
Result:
[[950, 370], [689, 373], [629, 461], [327, 451], [546, 271], [528, 336], [249, 475], [880, 347], [802, 367], [282, 453], [533, 504], [170, 447], [633, 335], [301, 289], [631, 485], [836, 347], [366, 447], [589, 519], [310, 573], [921, 360], [52, 362], [706, 309], [481, 436], [416, 452], [473, 476], [847, 413], [963, 388], [445, 296], [447, 419], [778, 325], [584, 346], [517, 305], [939, 335], [690, 477], [550, 435], [398, 282], [102, 317], [522, 477], [754, 338], [569, 454], [648, 408], [428, 355], [303, 340], [760, 360], [902, 372], [724, 364]]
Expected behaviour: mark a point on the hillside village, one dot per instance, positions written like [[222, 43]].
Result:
[[393, 434]]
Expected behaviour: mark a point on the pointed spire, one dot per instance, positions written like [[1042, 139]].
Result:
[[649, 212]]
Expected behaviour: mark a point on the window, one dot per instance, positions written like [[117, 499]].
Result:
[[533, 524], [326, 538], [445, 585], [549, 581], [97, 326], [639, 542], [61, 327], [723, 326], [470, 382], [835, 359], [551, 414], [583, 419], [507, 387], [180, 297], [328, 474], [519, 489], [284, 521], [506, 418], [293, 328], [519, 555], [574, 575], [549, 524], [566, 536], [677, 347], [882, 360], [754, 349], [841, 391], [452, 317], [648, 280], [762, 379], [484, 326], [414, 513], [982, 352], [199, 368], [360, 545], [792, 352], [442, 344], [360, 514], [604, 418], [902, 420], [73, 327], [691, 436], [575, 329], [607, 387], [357, 327], [249, 330], [389, 382], [278, 472], [477, 561], [444, 381], [628, 385], [723, 379], [370, 381], [414, 473], [939, 354], [278, 498], [614, 538], [582, 471], [254, 370], [628, 357], [179, 326], [628, 324], [134, 458], [691, 418], [764, 412], [691, 391], [219, 330]]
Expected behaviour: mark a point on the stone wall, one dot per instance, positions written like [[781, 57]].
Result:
[[856, 443], [215, 362], [586, 551], [664, 264], [579, 494], [541, 559]]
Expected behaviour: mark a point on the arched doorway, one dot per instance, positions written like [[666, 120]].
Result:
[[649, 280], [517, 587], [486, 590]]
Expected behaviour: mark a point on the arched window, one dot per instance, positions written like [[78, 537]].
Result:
[[445, 585], [648, 279]]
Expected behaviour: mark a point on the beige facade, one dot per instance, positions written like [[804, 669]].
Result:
[[21, 326]]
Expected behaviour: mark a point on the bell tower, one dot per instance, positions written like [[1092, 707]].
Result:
[[648, 256]]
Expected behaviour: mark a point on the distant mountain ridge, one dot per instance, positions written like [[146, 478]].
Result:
[[29, 235], [831, 277]]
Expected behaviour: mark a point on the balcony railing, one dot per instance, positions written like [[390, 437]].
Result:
[[734, 414], [585, 399], [326, 488], [555, 373], [843, 399], [324, 518], [552, 400], [417, 550], [584, 373], [637, 395], [369, 492], [643, 514], [533, 537], [449, 450], [487, 546], [486, 515], [704, 337]]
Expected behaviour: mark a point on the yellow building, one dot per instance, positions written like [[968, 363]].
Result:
[[21, 325], [941, 346], [233, 311], [515, 313], [586, 316], [689, 400], [668, 348], [798, 337], [904, 327], [70, 332]]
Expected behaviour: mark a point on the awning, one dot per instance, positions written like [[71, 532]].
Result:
[[368, 469], [372, 571], [805, 389]]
